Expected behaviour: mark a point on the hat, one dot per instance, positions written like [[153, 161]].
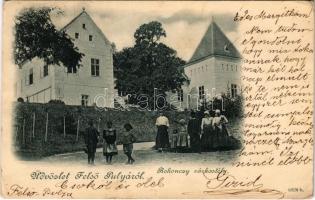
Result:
[[206, 113], [182, 121], [217, 111]]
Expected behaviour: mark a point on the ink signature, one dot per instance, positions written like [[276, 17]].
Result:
[[228, 185]]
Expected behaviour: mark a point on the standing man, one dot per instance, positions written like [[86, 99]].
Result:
[[194, 132], [91, 139], [162, 139]]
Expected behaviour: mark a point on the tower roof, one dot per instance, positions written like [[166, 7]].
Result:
[[214, 43]]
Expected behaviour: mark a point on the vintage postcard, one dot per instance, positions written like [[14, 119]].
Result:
[[157, 99]]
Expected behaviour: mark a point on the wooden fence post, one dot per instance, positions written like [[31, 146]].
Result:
[[33, 132], [46, 132], [64, 126], [23, 133], [78, 127]]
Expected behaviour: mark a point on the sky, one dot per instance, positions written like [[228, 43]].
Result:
[[185, 24]]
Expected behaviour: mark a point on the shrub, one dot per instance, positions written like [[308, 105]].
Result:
[[20, 99]]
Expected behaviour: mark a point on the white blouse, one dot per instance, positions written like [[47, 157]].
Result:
[[206, 121]]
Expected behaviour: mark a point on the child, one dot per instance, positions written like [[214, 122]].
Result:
[[128, 139], [182, 136], [109, 145]]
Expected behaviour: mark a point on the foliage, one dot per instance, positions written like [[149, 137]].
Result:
[[56, 101], [233, 107], [20, 99], [37, 36], [147, 65]]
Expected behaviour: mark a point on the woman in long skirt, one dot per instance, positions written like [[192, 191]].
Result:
[[109, 145], [207, 139], [220, 131]]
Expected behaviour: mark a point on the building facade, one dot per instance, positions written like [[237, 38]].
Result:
[[92, 82], [213, 70]]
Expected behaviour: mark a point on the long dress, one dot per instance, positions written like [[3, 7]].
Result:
[[109, 144], [193, 129], [207, 139], [220, 131], [162, 138], [224, 140]]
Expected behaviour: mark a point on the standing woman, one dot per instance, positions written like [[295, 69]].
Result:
[[219, 126], [109, 145], [193, 129], [206, 130], [162, 138]]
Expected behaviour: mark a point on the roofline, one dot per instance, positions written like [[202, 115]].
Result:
[[209, 56], [66, 26]]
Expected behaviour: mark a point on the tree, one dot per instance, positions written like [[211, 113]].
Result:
[[147, 65], [37, 36]]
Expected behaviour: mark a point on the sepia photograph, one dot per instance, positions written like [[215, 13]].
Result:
[[81, 96], [157, 99]]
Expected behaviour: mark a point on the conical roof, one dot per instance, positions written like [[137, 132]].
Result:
[[214, 43]]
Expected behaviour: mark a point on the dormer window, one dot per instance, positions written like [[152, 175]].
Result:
[[76, 35], [83, 26], [90, 37], [226, 48]]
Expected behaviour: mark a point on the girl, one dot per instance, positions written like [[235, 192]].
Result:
[[182, 143], [109, 145], [128, 139]]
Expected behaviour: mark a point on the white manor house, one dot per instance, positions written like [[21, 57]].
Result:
[[213, 70], [40, 83]]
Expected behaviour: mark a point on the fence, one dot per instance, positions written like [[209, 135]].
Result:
[[47, 129]]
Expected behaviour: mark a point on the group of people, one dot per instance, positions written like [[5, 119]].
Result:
[[197, 135], [109, 142]]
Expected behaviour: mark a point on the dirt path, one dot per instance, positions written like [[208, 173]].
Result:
[[144, 154]]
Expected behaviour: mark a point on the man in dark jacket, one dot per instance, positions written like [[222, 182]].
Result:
[[91, 139], [194, 132]]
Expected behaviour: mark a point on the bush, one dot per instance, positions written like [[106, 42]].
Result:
[[56, 101], [20, 99]]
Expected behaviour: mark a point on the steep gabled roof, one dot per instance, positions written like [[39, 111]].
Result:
[[89, 17], [214, 43]]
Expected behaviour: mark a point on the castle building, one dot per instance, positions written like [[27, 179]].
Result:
[[213, 70], [92, 82]]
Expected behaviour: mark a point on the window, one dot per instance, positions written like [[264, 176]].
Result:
[[180, 95], [83, 26], [227, 67], [72, 70], [231, 67], [90, 37], [30, 77], [233, 90], [76, 35], [201, 92], [84, 100], [95, 67], [45, 70]]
